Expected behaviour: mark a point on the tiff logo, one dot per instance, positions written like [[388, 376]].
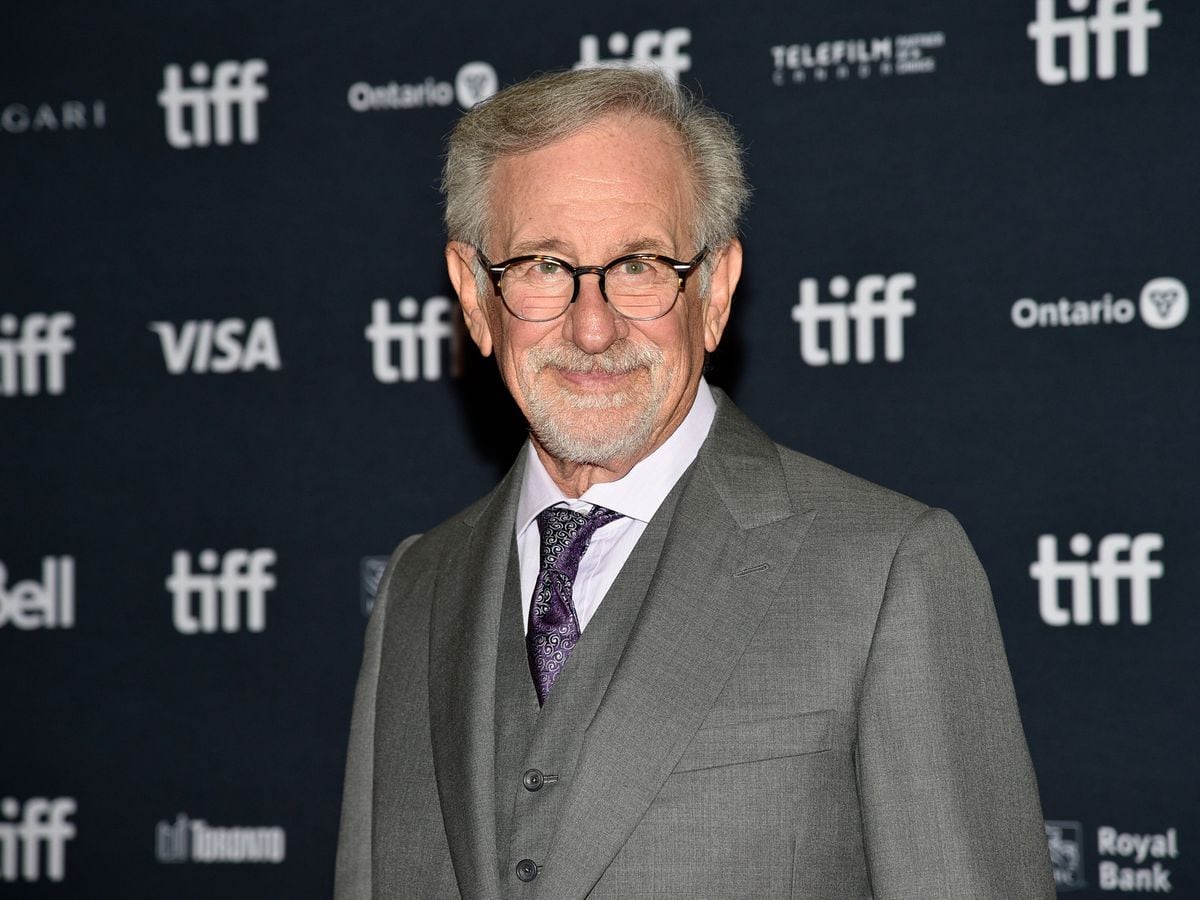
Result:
[[418, 343], [48, 604], [650, 49], [221, 347], [1109, 571], [877, 298], [215, 595], [198, 116], [1133, 18], [30, 345], [43, 823]]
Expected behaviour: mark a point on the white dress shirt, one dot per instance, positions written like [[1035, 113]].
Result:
[[637, 496]]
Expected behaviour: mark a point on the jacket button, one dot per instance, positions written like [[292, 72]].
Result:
[[527, 870], [533, 780]]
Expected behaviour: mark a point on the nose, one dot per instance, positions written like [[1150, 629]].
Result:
[[591, 324]]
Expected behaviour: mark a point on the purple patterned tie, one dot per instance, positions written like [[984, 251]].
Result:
[[553, 625]]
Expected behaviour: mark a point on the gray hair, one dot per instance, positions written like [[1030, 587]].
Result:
[[542, 110]]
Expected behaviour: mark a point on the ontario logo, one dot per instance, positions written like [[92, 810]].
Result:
[[1161, 304]]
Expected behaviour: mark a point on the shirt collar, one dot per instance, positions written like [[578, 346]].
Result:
[[642, 490]]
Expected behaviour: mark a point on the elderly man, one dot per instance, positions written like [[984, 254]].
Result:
[[665, 656]]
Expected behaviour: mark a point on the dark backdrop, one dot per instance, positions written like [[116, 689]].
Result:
[[185, 367]]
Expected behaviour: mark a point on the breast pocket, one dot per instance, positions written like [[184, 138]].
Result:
[[763, 739]]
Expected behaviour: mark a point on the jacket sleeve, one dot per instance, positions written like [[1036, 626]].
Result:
[[949, 802], [352, 875]]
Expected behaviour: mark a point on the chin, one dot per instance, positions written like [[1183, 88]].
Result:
[[598, 430]]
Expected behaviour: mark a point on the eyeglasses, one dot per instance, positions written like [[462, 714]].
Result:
[[640, 286]]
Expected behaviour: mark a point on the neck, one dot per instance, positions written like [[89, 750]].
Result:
[[573, 478]]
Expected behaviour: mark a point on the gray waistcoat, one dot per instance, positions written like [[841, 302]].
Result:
[[539, 748]]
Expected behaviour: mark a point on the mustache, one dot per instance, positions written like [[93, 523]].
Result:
[[618, 359]]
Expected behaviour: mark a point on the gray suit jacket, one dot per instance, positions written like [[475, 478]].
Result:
[[813, 702]]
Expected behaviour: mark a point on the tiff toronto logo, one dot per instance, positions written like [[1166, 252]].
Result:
[[418, 338], [50, 603], [70, 115], [214, 596], [647, 50], [1132, 18], [33, 344], [43, 824], [877, 298], [201, 115], [1109, 571], [194, 840], [224, 346]]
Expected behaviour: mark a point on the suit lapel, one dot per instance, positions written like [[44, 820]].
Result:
[[734, 536], [462, 682]]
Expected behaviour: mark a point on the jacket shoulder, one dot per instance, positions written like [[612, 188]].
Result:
[[828, 489]]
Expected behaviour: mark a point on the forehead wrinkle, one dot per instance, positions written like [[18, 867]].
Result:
[[542, 246]]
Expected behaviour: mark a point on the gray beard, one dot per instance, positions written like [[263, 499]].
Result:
[[559, 418]]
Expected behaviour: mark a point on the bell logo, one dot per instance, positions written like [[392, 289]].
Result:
[[43, 823], [876, 298], [1108, 572], [419, 337], [220, 347], [48, 604], [30, 346], [650, 50], [201, 115], [237, 578], [1133, 18]]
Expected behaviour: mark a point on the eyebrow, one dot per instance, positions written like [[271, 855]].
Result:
[[559, 247]]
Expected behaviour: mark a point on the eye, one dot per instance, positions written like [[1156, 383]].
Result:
[[547, 269], [635, 267]]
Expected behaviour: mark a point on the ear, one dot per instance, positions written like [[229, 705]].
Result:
[[460, 260], [724, 281]]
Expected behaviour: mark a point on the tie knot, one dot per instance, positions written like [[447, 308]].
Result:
[[565, 534]]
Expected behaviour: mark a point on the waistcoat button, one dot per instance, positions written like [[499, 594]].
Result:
[[527, 870], [533, 780]]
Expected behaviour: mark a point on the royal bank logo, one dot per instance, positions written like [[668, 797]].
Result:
[[1121, 575], [1138, 862], [220, 347], [878, 56], [473, 83], [223, 591], [662, 50], [1162, 304], [33, 353], [220, 106], [33, 838], [69, 115], [413, 346], [370, 574], [194, 840], [1092, 39], [826, 332], [1066, 855], [46, 603]]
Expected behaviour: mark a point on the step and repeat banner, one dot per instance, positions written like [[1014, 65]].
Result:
[[232, 379]]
